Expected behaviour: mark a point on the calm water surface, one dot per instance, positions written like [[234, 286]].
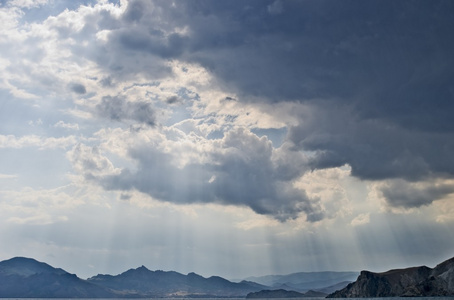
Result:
[[305, 298]]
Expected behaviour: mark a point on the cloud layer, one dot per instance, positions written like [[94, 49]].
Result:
[[369, 84]]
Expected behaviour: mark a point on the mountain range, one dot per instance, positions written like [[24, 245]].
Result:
[[145, 283], [22, 277], [304, 281]]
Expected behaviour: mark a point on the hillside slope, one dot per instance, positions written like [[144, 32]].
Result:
[[22, 277], [416, 282], [148, 283]]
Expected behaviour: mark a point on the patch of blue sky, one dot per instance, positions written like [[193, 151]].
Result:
[[214, 135], [275, 135], [40, 12], [179, 105]]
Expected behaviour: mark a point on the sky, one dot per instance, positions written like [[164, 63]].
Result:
[[231, 138]]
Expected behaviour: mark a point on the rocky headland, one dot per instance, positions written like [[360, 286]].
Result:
[[410, 282]]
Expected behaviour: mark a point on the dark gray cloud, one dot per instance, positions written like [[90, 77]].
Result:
[[119, 109], [384, 69], [78, 88], [400, 193], [173, 100], [243, 171], [375, 75], [378, 74], [374, 148]]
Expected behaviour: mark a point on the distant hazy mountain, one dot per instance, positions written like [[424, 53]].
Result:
[[24, 277], [304, 281], [144, 282], [332, 288], [415, 282], [281, 293]]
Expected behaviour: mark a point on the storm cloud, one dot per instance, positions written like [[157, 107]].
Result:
[[399, 193], [375, 77], [241, 170], [383, 67]]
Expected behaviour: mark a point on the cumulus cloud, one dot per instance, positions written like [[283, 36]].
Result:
[[11, 141], [386, 116], [375, 149], [361, 219], [400, 193], [62, 124], [90, 162], [369, 87], [378, 82], [118, 109], [27, 3], [239, 169]]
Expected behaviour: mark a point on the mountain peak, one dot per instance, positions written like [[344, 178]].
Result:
[[142, 268], [24, 266]]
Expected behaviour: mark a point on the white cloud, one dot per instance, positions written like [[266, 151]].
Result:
[[361, 219], [27, 3], [7, 176], [41, 143], [62, 124], [37, 206], [332, 187], [90, 162]]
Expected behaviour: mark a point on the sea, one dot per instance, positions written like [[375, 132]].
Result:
[[304, 298]]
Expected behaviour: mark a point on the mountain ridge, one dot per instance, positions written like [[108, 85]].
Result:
[[22, 277], [281, 293], [419, 281], [304, 281], [147, 283]]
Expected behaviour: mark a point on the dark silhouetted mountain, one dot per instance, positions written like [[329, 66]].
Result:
[[314, 294], [304, 281], [146, 283], [411, 282], [24, 278], [281, 293]]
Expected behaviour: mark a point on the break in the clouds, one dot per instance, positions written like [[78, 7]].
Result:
[[315, 124]]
